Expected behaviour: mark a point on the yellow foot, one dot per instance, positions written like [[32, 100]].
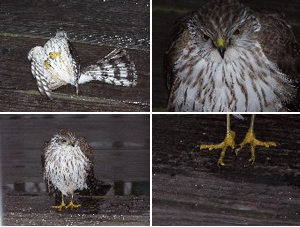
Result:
[[72, 206], [228, 142], [250, 138], [60, 207]]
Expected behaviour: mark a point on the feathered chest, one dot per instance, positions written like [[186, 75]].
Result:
[[245, 80], [66, 167]]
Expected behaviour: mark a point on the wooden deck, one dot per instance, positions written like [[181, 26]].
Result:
[[188, 188], [95, 28]]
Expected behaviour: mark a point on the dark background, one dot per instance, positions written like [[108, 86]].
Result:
[[189, 188], [166, 12], [95, 28], [121, 147]]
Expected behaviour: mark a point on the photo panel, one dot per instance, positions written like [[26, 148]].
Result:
[[75, 56], [225, 56], [192, 187], [100, 163]]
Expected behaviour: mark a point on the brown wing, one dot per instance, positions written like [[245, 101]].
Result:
[[178, 42], [280, 46], [279, 43], [95, 186], [86, 149]]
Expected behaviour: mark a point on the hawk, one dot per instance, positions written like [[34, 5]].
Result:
[[67, 162], [228, 57], [57, 64], [229, 142]]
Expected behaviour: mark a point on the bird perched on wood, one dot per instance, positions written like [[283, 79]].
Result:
[[67, 162], [230, 142], [228, 57], [57, 64]]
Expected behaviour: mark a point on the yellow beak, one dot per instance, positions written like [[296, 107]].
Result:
[[72, 142]]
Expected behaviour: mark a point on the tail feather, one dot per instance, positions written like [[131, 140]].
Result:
[[115, 68], [96, 187]]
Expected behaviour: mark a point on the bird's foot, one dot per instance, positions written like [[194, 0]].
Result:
[[60, 207], [228, 142], [250, 138], [72, 206]]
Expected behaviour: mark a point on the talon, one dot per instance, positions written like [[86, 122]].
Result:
[[220, 162], [250, 138], [228, 142], [72, 206], [60, 207]]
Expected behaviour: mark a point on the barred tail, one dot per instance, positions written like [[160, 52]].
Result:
[[115, 68]]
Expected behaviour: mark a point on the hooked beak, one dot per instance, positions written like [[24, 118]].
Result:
[[221, 46], [72, 143]]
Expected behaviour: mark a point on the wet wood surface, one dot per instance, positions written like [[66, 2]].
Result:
[[189, 188], [165, 14], [121, 148], [95, 29]]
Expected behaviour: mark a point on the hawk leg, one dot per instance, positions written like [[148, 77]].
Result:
[[71, 205], [228, 142], [250, 138], [61, 206]]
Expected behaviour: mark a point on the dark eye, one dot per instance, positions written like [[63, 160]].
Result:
[[64, 140], [237, 31], [205, 37]]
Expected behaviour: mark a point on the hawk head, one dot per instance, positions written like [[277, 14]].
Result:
[[221, 28], [65, 137]]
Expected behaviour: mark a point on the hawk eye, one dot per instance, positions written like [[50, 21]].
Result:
[[237, 31], [205, 37], [64, 140]]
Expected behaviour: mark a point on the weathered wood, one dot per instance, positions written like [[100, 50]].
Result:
[[16, 76], [190, 189], [166, 12], [95, 29]]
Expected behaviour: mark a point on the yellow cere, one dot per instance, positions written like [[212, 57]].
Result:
[[220, 42]]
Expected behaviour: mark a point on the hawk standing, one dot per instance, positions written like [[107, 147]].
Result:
[[67, 163], [57, 64], [227, 57]]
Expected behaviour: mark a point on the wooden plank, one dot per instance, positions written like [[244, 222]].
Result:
[[16, 80], [95, 211], [190, 189]]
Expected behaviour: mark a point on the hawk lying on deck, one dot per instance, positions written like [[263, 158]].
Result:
[[57, 64], [67, 163]]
